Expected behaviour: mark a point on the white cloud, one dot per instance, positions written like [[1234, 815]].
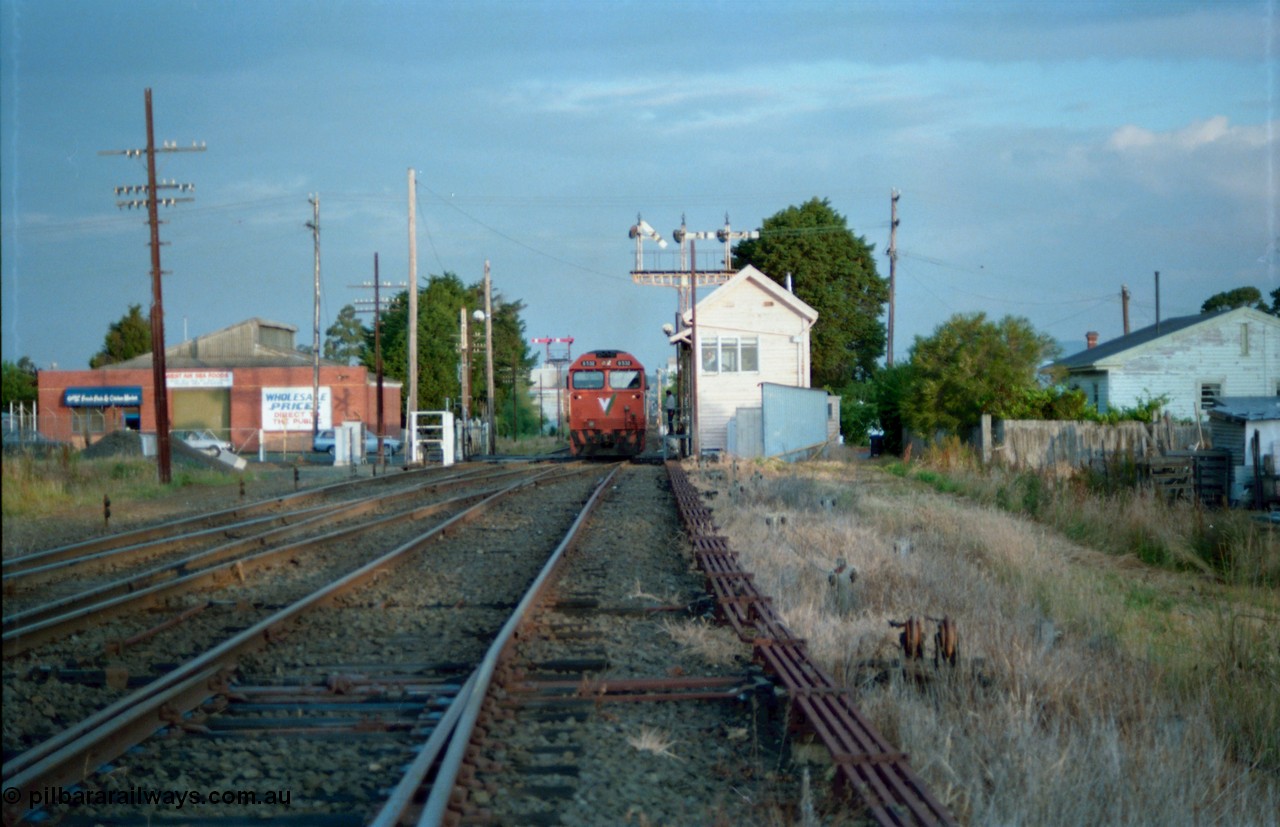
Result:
[[1216, 130]]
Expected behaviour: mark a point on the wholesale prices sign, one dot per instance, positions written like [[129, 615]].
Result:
[[291, 409]]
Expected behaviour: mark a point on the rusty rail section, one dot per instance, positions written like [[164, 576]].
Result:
[[868, 764]]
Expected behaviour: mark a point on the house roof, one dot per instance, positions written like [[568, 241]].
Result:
[[1246, 408], [750, 276], [1090, 357]]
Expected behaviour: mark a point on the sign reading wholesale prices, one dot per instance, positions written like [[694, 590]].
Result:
[[290, 409]]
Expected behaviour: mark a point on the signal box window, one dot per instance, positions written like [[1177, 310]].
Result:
[[624, 379], [710, 357], [731, 355], [588, 380]]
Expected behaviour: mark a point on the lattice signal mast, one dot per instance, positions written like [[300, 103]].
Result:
[[559, 354], [562, 354], [683, 278]]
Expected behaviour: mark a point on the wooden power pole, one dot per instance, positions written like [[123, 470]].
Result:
[[893, 270], [152, 203], [314, 226]]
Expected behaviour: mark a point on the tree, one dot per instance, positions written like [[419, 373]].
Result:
[[1239, 297], [19, 381], [891, 388], [832, 271], [438, 341], [125, 339], [344, 341], [971, 366]]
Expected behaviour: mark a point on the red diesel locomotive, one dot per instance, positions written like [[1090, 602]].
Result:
[[606, 405]]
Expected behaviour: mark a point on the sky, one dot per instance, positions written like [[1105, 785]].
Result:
[[1045, 153]]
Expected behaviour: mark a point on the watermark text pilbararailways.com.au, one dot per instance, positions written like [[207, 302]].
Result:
[[143, 797]]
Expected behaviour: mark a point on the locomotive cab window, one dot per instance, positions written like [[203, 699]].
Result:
[[588, 380], [624, 379]]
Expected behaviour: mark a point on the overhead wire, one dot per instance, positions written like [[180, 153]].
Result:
[[512, 239]]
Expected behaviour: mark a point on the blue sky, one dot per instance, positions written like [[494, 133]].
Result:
[[1046, 154]]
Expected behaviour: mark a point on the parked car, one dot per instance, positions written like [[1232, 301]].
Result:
[[323, 442], [206, 441]]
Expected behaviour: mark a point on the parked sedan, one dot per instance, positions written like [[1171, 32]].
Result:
[[323, 443], [206, 441]]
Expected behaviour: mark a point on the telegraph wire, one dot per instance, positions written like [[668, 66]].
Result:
[[513, 240]]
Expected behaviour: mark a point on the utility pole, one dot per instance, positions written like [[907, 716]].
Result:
[[695, 358], [893, 269], [1124, 306], [1157, 301], [152, 203], [411, 406], [314, 226], [488, 355], [377, 310]]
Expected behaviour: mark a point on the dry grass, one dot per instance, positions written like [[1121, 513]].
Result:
[[39, 486], [655, 741], [1092, 689], [714, 644]]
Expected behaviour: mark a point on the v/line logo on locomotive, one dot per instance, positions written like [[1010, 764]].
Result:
[[607, 406]]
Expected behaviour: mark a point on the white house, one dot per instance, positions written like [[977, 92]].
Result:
[[1191, 360], [748, 332]]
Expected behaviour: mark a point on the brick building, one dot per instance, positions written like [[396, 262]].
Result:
[[247, 383]]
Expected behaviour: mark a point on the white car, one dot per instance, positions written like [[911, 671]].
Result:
[[203, 440], [323, 443]]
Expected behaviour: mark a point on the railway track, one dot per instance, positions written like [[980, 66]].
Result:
[[522, 657], [368, 618], [129, 576]]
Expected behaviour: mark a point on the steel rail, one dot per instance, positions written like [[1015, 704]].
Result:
[[133, 584], [881, 775], [77, 750], [119, 548], [435, 809], [24, 638], [185, 525], [38, 632]]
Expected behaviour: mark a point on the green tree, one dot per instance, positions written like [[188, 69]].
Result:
[[1274, 309], [833, 271], [344, 340], [891, 388], [439, 334], [971, 366], [19, 381], [1239, 297], [125, 339]]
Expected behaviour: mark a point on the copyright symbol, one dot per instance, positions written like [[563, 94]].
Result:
[[11, 795]]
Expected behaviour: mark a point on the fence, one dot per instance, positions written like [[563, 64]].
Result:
[[1045, 445]]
